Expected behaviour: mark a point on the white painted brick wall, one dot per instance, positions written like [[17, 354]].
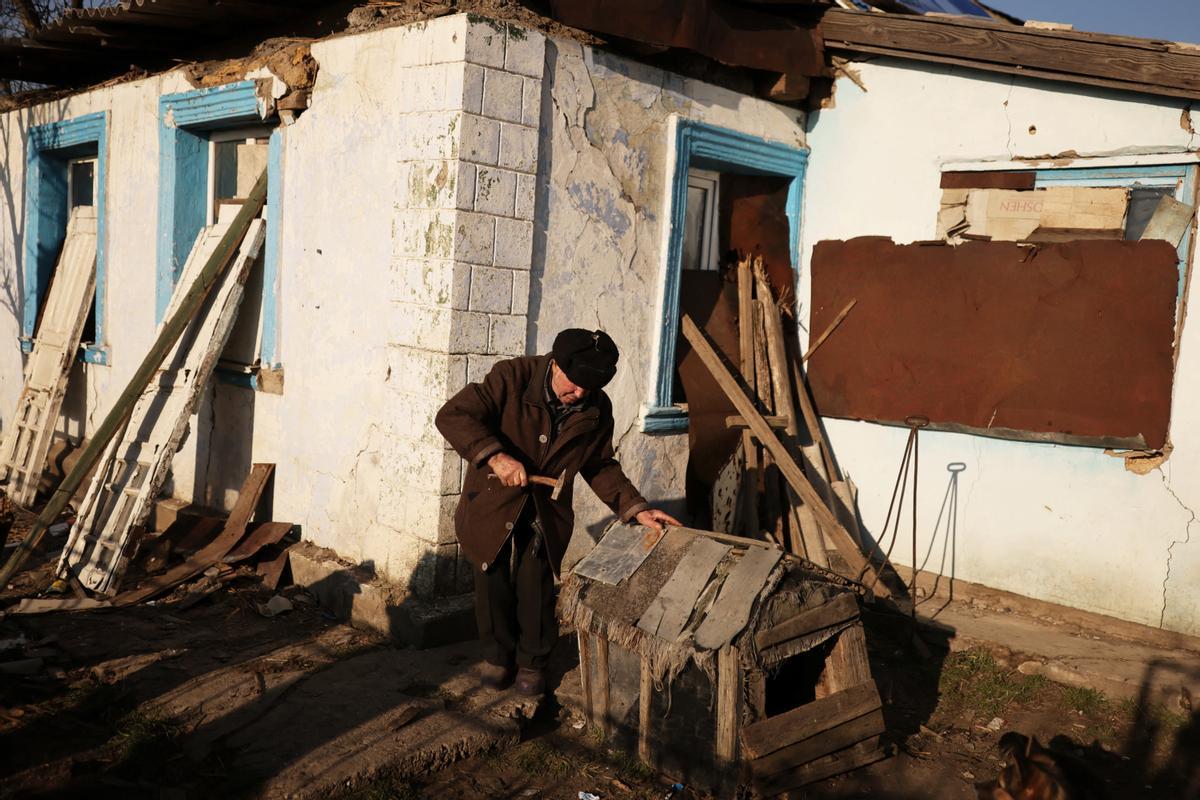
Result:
[[466, 151]]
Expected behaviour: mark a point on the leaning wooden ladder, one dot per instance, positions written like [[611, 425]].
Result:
[[27, 438], [135, 464]]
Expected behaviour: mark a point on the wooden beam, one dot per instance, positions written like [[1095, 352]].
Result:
[[645, 694], [847, 665], [838, 610], [602, 682], [1110, 61], [787, 465], [728, 692], [776, 421], [749, 493], [777, 732], [585, 675], [861, 754]]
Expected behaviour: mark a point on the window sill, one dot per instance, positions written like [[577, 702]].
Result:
[[664, 419], [260, 379], [88, 354]]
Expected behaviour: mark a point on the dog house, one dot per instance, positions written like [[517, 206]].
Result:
[[722, 662]]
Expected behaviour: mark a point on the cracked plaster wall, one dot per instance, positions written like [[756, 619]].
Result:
[[1065, 524], [605, 156]]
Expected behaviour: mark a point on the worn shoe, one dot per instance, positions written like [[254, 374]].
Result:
[[530, 682], [494, 676]]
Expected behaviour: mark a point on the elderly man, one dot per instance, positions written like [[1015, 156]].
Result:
[[533, 415]]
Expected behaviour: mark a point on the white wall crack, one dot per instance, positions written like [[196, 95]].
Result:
[[1187, 538]]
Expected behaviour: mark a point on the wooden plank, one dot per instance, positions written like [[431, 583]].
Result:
[[168, 336], [726, 492], [618, 554], [602, 684], [847, 665], [1170, 220], [731, 611], [749, 492], [791, 471], [271, 570], [777, 357], [1060, 55], [860, 755], [26, 442], [810, 531], [762, 369], [671, 608], [235, 528], [839, 737], [775, 421], [810, 719], [585, 675], [812, 348], [838, 610], [728, 692], [645, 695], [136, 464], [736, 541], [265, 534]]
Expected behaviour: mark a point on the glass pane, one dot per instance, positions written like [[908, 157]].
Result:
[[225, 170], [1142, 202], [693, 227], [82, 183]]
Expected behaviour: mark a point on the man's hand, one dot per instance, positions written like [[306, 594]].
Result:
[[655, 520], [510, 471]]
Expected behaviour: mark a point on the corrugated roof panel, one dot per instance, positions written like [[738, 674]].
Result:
[[966, 7]]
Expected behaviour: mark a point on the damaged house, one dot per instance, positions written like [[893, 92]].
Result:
[[449, 192]]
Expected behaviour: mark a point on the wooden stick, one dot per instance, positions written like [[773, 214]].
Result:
[[821, 339], [777, 353], [602, 683], [585, 675], [748, 496], [123, 406], [810, 414], [645, 694], [787, 465], [774, 420]]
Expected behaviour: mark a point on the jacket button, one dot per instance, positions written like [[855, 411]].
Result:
[[483, 566], [542, 438], [508, 526]]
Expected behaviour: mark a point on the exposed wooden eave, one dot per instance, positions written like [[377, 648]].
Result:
[[1115, 62]]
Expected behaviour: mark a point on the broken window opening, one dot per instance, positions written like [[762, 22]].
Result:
[[236, 158]]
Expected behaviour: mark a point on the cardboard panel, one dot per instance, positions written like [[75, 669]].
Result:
[[1069, 342]]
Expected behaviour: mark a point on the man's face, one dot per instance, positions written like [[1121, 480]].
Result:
[[567, 393]]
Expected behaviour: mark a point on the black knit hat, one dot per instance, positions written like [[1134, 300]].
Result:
[[589, 358]]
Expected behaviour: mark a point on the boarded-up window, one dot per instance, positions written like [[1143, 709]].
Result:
[[1069, 342]]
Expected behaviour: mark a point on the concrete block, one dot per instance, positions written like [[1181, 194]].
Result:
[[431, 282], [479, 365], [514, 243], [518, 147], [464, 194], [520, 298], [420, 326], [508, 335], [423, 233], [480, 140], [502, 95], [433, 87], [356, 595], [425, 373], [495, 191], [485, 42], [432, 42], [427, 135], [469, 332], [474, 237], [472, 99], [531, 102], [491, 289], [429, 184], [422, 411], [525, 52], [523, 205]]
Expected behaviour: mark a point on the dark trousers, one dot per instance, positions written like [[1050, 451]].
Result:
[[514, 603]]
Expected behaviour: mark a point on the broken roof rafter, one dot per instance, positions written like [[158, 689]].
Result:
[[1116, 62]]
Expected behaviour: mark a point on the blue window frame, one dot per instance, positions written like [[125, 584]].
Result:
[[185, 121], [1179, 177], [50, 148], [708, 147]]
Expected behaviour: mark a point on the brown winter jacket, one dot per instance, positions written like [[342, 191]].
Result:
[[508, 413]]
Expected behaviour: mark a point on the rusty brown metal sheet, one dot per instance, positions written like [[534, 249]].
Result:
[[988, 179], [736, 35], [1069, 342]]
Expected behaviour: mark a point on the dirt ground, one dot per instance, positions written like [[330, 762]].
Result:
[[88, 718]]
